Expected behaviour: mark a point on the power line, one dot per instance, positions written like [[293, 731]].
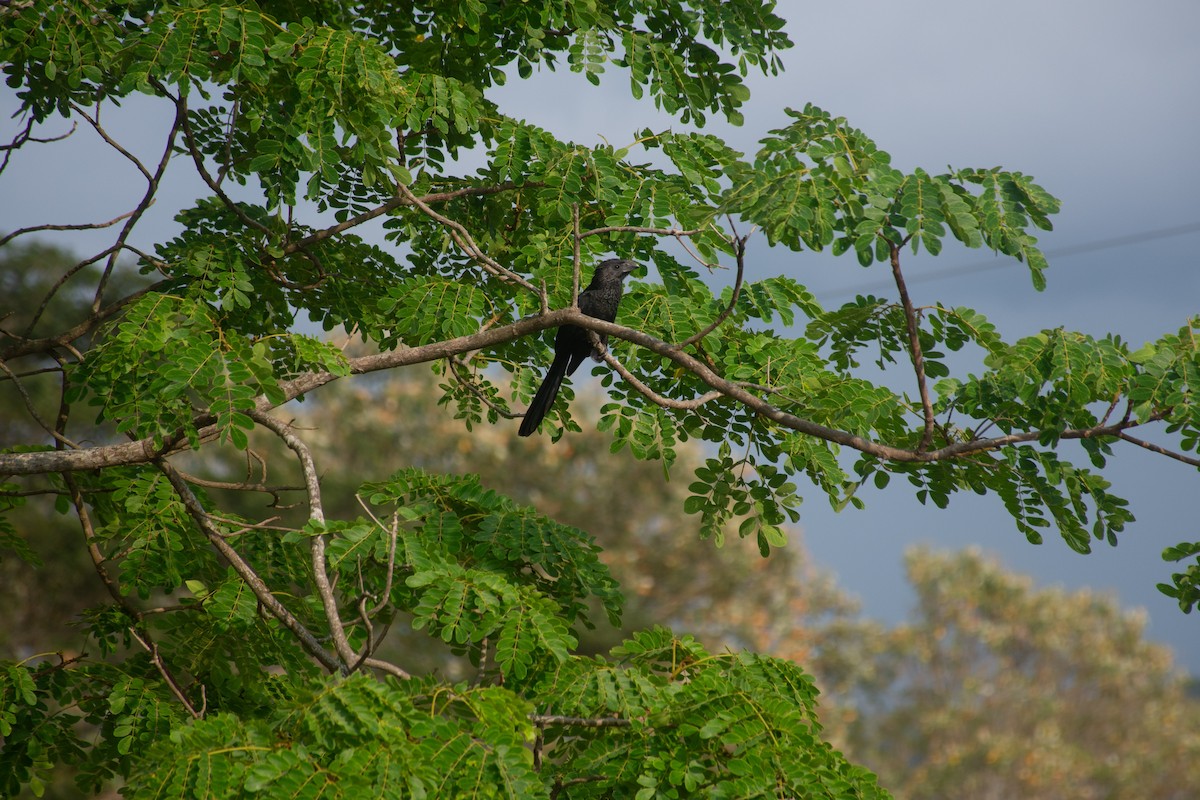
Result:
[[1061, 252]]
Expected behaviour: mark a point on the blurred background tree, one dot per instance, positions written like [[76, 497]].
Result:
[[997, 689]]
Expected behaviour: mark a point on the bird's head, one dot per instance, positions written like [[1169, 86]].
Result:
[[620, 267]]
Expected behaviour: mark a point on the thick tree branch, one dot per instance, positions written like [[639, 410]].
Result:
[[144, 450]]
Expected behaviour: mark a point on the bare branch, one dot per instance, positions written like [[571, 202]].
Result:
[[676, 232], [241, 486], [399, 202], [386, 666], [739, 249], [1162, 451], [202, 171], [261, 591], [25, 136], [469, 383], [576, 238], [84, 226], [655, 397], [32, 409], [914, 346], [316, 513], [25, 347], [542, 720], [168, 678], [466, 243]]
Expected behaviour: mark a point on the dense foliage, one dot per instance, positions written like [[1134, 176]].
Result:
[[231, 659]]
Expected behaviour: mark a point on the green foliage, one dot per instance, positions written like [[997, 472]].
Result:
[[352, 738], [480, 564], [731, 725], [307, 121], [1185, 586], [820, 183]]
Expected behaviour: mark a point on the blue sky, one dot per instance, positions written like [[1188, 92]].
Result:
[[1099, 101]]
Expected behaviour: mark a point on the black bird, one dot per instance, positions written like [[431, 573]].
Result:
[[572, 343]]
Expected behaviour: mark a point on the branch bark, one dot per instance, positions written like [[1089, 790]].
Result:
[[914, 347], [145, 451], [261, 591]]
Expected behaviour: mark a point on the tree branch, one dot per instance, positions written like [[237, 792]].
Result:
[[144, 450], [466, 243], [400, 201], [25, 347], [316, 513], [541, 720], [914, 346], [83, 226], [261, 591], [1162, 451], [739, 249]]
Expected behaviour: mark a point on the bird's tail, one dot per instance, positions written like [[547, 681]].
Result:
[[544, 399]]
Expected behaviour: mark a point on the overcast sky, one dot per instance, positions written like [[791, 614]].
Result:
[[1098, 100]]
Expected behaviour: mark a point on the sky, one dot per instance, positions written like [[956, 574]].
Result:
[[1099, 101]]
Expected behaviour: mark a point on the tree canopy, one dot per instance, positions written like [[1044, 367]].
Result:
[[234, 655]]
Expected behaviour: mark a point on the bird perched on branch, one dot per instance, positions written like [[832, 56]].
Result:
[[572, 344]]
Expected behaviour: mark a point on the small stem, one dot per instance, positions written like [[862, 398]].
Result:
[[914, 345]]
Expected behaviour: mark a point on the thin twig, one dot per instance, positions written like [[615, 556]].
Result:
[[82, 226], [914, 345], [653, 396], [168, 678], [25, 346], [542, 720], [32, 409], [400, 201], [202, 171], [676, 232], [471, 386], [62, 281], [739, 249], [95, 123], [394, 530], [25, 136], [576, 268], [1162, 451], [466, 242]]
